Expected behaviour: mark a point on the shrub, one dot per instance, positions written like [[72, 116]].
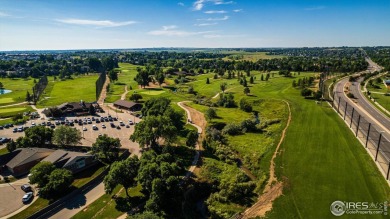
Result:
[[245, 105], [249, 125], [306, 92], [232, 129]]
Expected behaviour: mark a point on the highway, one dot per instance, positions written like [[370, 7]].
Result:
[[363, 107]]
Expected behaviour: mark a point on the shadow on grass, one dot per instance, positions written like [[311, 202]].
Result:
[[125, 204]]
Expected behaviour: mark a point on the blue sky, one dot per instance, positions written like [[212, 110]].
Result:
[[103, 24]]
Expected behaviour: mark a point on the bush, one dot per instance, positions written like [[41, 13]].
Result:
[[232, 129], [245, 105], [306, 92], [249, 125]]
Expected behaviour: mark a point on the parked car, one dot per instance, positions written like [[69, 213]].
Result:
[[1, 127], [26, 188], [121, 123], [27, 197], [15, 130], [127, 126], [85, 129], [131, 122], [97, 121], [112, 125], [103, 126], [20, 129], [4, 140], [118, 127], [94, 127], [52, 126]]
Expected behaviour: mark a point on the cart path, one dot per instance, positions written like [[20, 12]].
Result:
[[222, 92], [123, 97], [274, 188]]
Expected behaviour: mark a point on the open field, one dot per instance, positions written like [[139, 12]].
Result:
[[125, 78], [71, 90], [19, 87], [249, 56]]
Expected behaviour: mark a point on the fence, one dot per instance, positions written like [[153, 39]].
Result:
[[100, 84], [369, 134]]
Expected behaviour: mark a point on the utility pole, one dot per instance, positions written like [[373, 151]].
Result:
[[368, 133]]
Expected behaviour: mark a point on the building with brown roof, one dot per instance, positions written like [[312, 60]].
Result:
[[26, 159], [127, 105]]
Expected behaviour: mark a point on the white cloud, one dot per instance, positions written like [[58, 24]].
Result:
[[210, 36], [221, 2], [224, 18], [215, 12], [237, 10], [205, 24], [2, 14], [315, 8], [97, 23], [180, 4], [170, 27], [172, 31], [198, 5]]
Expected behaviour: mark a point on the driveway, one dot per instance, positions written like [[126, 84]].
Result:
[[11, 197]]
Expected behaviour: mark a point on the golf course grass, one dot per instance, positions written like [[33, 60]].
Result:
[[19, 88], [70, 90], [125, 78], [321, 160]]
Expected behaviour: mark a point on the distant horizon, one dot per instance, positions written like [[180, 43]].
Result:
[[28, 25], [162, 48]]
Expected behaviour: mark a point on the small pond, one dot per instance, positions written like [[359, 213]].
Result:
[[5, 91]]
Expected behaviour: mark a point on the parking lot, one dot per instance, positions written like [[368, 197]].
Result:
[[89, 134]]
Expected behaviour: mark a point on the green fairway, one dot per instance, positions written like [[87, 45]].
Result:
[[10, 111], [6, 100], [71, 90], [125, 78], [152, 92], [19, 88]]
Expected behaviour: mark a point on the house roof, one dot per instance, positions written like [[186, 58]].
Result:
[[26, 155], [125, 103], [61, 155]]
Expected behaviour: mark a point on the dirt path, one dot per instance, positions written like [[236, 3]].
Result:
[[199, 122], [274, 188], [123, 97], [222, 92]]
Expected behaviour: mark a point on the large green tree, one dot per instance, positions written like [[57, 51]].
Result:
[[192, 138], [142, 78], [59, 181], [106, 149], [122, 173], [66, 136], [113, 75], [152, 128], [40, 173], [39, 135]]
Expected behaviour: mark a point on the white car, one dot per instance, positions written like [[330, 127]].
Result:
[[85, 129], [27, 197]]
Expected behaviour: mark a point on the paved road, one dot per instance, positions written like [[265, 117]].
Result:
[[77, 203], [361, 105]]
